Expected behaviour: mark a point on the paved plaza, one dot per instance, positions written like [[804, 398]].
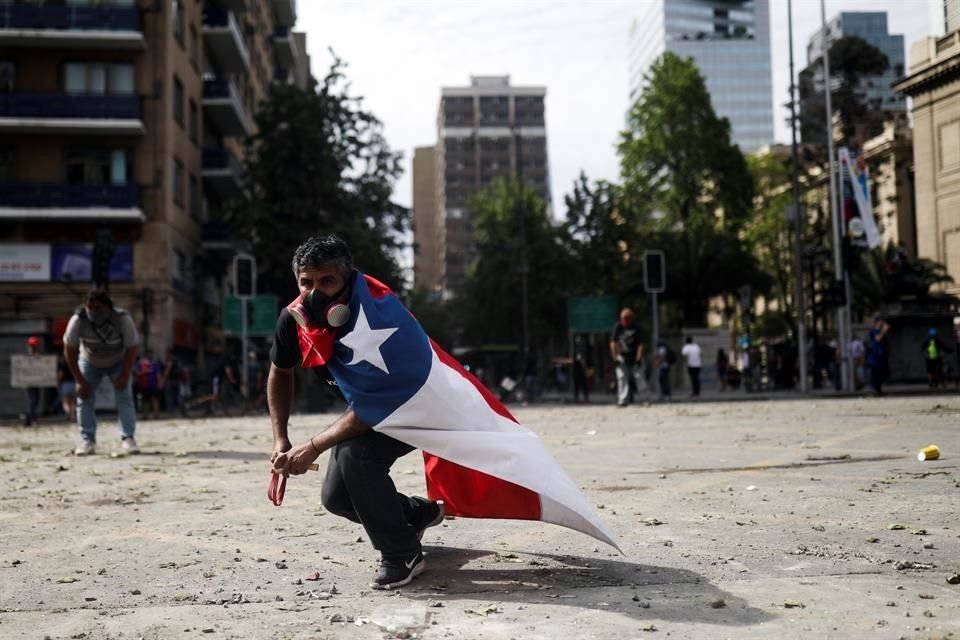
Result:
[[767, 519]]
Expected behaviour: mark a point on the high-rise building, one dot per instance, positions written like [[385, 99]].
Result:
[[945, 16], [729, 40], [427, 229], [933, 83], [875, 91], [124, 121], [485, 131]]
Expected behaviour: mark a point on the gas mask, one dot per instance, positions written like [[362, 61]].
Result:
[[327, 312]]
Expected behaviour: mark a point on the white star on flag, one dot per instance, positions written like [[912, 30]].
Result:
[[366, 342]]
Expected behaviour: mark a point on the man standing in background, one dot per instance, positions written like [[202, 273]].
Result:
[[694, 355], [627, 353], [31, 394], [101, 342]]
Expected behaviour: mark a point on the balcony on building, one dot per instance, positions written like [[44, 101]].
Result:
[[223, 107], [70, 26], [215, 236], [284, 47], [222, 171], [223, 39], [63, 113], [285, 12], [61, 201]]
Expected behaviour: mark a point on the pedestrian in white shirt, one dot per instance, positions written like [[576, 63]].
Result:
[[694, 355]]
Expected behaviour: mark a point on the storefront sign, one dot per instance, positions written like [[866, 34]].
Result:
[[24, 262]]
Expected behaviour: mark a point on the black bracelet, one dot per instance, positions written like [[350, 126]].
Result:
[[315, 447]]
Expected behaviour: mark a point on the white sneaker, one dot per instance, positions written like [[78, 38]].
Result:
[[129, 445], [85, 448]]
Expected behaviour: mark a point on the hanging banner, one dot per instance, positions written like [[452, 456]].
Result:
[[859, 224]]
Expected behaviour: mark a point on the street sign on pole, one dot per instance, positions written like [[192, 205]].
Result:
[[594, 314], [262, 317]]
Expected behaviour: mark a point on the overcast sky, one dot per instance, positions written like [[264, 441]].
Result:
[[401, 52]]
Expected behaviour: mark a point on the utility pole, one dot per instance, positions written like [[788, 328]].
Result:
[[834, 195], [797, 219]]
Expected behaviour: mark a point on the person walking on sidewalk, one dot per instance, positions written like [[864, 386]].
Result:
[[101, 342], [878, 357], [694, 356], [627, 352], [933, 349]]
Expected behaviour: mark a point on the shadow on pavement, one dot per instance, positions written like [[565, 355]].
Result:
[[253, 456], [811, 462], [644, 592]]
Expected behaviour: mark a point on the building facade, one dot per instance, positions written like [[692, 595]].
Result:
[[729, 40], [889, 158], [428, 250], [934, 84], [875, 91], [123, 122], [485, 131]]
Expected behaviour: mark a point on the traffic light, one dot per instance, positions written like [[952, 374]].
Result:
[[245, 276], [654, 271]]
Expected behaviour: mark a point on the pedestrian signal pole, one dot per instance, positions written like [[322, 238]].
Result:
[[654, 282], [245, 288]]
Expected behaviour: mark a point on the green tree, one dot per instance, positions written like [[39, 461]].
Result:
[[319, 164], [689, 184], [890, 275], [603, 241], [490, 307]]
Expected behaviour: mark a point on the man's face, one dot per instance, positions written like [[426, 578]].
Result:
[[97, 311], [326, 279]]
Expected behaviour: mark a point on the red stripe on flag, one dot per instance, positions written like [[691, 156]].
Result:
[[467, 493], [491, 399], [377, 289]]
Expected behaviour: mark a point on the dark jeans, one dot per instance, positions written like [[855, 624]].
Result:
[[694, 379], [32, 401], [664, 375], [358, 487]]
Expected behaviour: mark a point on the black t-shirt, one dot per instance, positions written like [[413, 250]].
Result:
[[627, 339], [285, 351]]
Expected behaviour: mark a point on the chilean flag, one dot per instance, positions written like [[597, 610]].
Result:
[[478, 459]]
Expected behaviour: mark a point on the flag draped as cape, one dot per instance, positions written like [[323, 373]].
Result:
[[478, 459]]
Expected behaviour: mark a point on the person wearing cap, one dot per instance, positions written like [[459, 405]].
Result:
[[101, 342], [933, 349], [627, 352], [32, 394]]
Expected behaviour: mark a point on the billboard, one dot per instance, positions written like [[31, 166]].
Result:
[[74, 263]]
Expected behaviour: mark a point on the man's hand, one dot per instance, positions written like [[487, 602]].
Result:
[[281, 445], [296, 461], [83, 389]]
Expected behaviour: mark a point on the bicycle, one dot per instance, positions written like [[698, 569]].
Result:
[[228, 403]]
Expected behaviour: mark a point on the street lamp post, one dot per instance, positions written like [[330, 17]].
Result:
[[797, 221]]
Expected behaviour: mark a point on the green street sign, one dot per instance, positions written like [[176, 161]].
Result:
[[596, 314], [262, 319]]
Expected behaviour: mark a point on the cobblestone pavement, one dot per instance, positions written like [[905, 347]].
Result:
[[788, 519]]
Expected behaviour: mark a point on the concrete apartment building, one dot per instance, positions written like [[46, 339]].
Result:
[[487, 130], [127, 118], [934, 84], [729, 40], [875, 91]]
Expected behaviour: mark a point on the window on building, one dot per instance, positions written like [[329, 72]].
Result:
[[6, 76], [193, 47], [176, 8], [196, 198], [178, 101], [97, 166], [178, 184], [96, 78], [6, 165], [194, 121]]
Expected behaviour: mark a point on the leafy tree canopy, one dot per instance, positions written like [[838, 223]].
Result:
[[319, 164]]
